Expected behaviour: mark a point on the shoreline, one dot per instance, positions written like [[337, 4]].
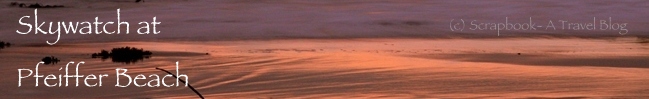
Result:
[[342, 68], [638, 39]]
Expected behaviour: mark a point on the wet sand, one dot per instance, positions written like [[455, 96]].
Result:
[[356, 68], [342, 49]]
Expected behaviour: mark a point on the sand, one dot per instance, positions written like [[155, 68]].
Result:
[[357, 68], [250, 49]]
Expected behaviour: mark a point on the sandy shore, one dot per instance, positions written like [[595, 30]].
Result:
[[358, 68], [255, 49]]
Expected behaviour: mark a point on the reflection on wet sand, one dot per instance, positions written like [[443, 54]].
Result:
[[368, 68], [548, 60]]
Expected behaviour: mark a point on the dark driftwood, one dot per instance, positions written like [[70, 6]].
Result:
[[190, 86], [124, 54], [50, 60], [4, 44], [35, 5]]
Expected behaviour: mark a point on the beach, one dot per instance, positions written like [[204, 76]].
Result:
[[360, 68], [297, 49]]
